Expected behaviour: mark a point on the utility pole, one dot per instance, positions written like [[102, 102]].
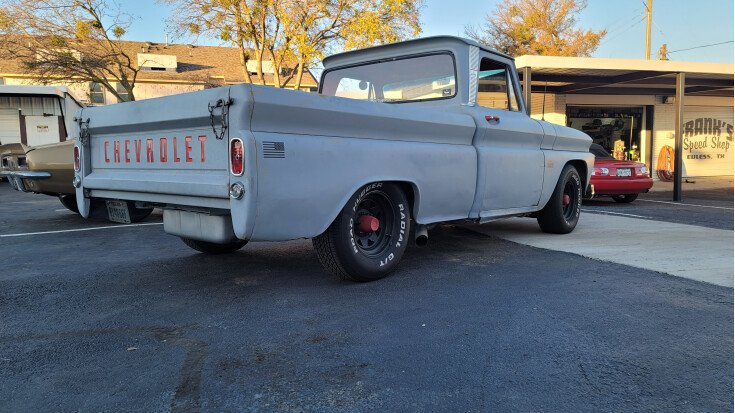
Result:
[[649, 19]]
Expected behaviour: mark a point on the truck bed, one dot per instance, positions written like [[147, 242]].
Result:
[[305, 154]]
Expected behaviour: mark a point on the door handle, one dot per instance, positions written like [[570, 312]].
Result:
[[491, 118]]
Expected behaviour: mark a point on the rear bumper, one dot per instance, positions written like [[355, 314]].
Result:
[[622, 186], [199, 226], [16, 178]]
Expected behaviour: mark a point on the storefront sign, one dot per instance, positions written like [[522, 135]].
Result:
[[707, 137], [707, 143]]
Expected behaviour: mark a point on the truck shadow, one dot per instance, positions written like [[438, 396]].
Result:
[[294, 264]]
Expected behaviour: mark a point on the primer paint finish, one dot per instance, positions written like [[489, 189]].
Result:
[[305, 154]]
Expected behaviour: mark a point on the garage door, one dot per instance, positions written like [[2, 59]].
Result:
[[9, 126]]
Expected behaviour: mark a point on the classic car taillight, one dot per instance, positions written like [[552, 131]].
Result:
[[600, 172], [77, 162], [237, 152], [641, 170]]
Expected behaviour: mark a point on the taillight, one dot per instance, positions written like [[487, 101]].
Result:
[[600, 172], [237, 163], [641, 170], [77, 161]]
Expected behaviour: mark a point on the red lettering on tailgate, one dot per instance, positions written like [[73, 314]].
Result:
[[176, 157], [149, 150], [187, 148], [127, 150], [164, 155], [138, 148], [202, 138], [107, 159], [116, 151]]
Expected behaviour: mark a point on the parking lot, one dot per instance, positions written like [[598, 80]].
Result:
[[102, 317]]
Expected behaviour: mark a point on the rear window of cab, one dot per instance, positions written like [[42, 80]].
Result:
[[407, 79]]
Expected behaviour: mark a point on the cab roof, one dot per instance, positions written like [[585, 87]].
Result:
[[406, 45]]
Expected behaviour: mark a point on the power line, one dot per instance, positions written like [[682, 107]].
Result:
[[702, 46], [624, 31], [614, 26]]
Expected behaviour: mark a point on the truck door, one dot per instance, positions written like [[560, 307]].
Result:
[[511, 164]]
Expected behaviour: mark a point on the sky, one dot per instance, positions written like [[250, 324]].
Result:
[[681, 24]]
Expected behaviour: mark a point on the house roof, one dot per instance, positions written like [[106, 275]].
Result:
[[197, 64]]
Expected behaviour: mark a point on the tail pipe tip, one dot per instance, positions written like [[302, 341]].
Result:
[[421, 237]]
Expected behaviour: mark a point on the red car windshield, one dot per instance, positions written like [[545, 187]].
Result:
[[599, 152]]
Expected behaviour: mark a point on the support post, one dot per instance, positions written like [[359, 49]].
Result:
[[678, 139], [527, 89]]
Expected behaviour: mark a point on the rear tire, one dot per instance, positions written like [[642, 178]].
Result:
[[560, 216], [351, 252], [213, 247], [70, 202], [625, 199]]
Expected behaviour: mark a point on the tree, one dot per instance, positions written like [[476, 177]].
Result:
[[293, 34], [72, 41], [537, 27]]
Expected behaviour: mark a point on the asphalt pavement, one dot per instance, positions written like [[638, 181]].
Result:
[[99, 317], [711, 208]]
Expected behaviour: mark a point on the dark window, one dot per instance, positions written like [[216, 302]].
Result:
[[599, 152], [96, 93], [124, 95], [495, 86]]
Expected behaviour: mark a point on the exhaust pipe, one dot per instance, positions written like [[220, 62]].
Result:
[[421, 236]]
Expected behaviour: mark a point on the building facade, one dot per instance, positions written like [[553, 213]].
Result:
[[628, 107]]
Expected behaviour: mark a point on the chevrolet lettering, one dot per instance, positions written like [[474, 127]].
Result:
[[150, 151]]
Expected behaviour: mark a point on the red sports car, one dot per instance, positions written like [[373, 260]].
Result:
[[623, 180]]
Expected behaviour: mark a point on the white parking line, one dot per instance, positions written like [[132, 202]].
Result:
[[682, 204], [614, 213], [45, 201], [79, 229]]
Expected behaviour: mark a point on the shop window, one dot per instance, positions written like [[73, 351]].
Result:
[[616, 129], [96, 93], [495, 87]]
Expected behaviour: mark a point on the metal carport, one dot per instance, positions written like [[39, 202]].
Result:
[[628, 77]]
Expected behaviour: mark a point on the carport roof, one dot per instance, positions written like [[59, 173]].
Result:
[[585, 75]]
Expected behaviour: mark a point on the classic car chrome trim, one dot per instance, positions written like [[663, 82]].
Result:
[[26, 174]]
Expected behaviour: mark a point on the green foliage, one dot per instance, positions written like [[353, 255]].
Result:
[[5, 21], [57, 41], [68, 41], [295, 33], [118, 31], [83, 29]]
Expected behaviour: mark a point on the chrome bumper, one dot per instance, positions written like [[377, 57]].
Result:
[[16, 178], [26, 174]]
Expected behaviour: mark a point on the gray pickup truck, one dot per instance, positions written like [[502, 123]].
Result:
[[399, 137]]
